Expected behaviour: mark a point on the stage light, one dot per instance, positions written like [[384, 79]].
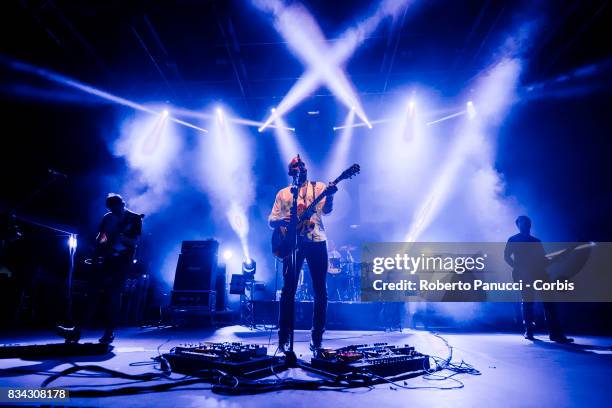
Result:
[[471, 111], [495, 89], [71, 83], [225, 174], [340, 150], [324, 63], [273, 110], [149, 145], [165, 113], [72, 242], [411, 107], [227, 255], [249, 267], [288, 144], [220, 116]]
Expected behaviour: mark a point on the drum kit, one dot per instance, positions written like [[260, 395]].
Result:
[[343, 281]]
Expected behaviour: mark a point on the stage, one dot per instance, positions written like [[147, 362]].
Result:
[[515, 371]]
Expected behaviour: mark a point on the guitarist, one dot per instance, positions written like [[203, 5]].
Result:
[[312, 247], [116, 246], [529, 262]]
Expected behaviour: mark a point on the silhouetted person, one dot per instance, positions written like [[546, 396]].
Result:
[[117, 240], [525, 254]]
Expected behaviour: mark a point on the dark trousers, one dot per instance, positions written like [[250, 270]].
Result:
[[106, 289], [315, 254], [528, 297], [550, 313]]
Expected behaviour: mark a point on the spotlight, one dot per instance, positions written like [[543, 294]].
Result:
[[249, 267], [220, 115], [411, 106], [165, 113], [273, 110], [72, 242], [471, 111], [227, 254]]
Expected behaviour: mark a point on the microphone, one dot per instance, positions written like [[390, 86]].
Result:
[[57, 174]]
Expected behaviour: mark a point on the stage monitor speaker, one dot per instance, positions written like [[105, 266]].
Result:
[[197, 266]]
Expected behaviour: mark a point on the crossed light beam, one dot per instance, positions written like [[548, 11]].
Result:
[[306, 40]]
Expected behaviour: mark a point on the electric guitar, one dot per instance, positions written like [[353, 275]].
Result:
[[118, 243], [282, 244]]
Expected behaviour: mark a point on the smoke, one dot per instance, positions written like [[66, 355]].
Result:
[[226, 166], [438, 182], [150, 145], [469, 164]]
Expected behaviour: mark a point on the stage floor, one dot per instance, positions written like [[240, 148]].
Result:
[[515, 372]]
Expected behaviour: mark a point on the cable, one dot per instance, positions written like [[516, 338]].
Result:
[[447, 364], [100, 369], [227, 384], [419, 387]]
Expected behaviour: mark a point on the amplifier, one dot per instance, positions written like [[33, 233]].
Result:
[[205, 299], [207, 246], [196, 268]]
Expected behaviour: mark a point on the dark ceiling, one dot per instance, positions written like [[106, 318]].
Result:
[[189, 52]]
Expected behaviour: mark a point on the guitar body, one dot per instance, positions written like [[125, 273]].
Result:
[[281, 244], [282, 236]]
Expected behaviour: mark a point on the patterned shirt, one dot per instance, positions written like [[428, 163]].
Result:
[[306, 195]]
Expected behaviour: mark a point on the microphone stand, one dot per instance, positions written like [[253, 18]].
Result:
[[290, 357], [291, 360]]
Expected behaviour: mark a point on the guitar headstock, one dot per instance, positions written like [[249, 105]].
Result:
[[349, 173]]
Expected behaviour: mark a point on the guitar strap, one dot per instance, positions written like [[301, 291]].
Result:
[[313, 183]]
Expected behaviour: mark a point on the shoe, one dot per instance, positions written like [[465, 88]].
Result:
[[315, 347], [529, 334], [561, 339], [71, 334], [283, 344], [282, 348], [107, 337]]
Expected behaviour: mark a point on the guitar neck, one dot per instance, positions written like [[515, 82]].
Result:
[[310, 209]]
